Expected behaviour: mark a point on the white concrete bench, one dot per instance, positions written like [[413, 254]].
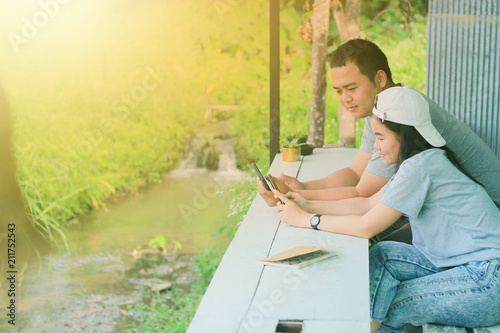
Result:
[[328, 296]]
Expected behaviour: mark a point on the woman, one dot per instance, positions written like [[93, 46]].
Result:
[[451, 273]]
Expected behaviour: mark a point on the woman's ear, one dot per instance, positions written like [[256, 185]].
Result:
[[381, 79]]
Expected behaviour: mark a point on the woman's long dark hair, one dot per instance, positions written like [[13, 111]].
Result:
[[412, 143]]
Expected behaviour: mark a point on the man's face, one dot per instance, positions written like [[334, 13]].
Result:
[[354, 90]]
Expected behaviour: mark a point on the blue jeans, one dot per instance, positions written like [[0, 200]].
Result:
[[405, 287]]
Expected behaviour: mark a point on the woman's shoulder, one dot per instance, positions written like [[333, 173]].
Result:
[[427, 158]]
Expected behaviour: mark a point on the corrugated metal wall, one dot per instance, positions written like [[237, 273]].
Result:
[[463, 63]]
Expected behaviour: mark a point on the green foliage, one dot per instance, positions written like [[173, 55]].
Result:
[[177, 246], [158, 242], [115, 113], [173, 312], [241, 197], [406, 51], [294, 143]]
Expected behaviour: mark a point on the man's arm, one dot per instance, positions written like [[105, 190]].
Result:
[[346, 177], [368, 185], [353, 181], [352, 206], [349, 176]]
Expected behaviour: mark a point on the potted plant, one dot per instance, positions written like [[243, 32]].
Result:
[[305, 148], [302, 137], [291, 150]]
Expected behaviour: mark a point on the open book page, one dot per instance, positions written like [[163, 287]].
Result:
[[298, 257]]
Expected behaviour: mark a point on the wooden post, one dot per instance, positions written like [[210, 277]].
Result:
[[320, 20], [347, 20], [274, 71]]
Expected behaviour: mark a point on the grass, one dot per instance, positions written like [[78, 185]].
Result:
[[175, 314], [98, 114]]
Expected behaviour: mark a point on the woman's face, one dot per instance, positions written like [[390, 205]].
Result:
[[386, 142]]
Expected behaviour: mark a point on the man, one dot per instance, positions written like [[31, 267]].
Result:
[[360, 71]]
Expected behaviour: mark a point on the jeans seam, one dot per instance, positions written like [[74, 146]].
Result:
[[411, 262], [482, 273], [447, 279], [434, 294], [375, 293], [493, 279], [478, 288]]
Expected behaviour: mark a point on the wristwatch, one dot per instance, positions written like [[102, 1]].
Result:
[[315, 220]]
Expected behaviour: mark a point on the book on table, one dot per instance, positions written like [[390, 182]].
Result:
[[298, 257]]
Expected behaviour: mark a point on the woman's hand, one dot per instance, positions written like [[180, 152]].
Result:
[[291, 182], [299, 200], [291, 213]]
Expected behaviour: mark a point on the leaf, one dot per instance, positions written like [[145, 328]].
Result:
[[177, 246], [94, 201], [161, 241], [108, 185]]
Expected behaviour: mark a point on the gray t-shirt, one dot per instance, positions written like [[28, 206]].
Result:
[[472, 152], [453, 220]]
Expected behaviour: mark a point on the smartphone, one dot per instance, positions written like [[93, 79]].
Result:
[[273, 185], [262, 179]]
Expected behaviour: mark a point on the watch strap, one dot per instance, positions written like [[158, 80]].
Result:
[[313, 220]]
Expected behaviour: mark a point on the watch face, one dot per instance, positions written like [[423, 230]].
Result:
[[314, 221]]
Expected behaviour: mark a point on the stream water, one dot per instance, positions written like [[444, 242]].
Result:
[[89, 289]]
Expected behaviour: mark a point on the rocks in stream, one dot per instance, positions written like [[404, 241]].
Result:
[[156, 271], [208, 156], [211, 148], [161, 287], [94, 292]]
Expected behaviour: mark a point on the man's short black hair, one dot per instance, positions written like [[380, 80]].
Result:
[[366, 55]]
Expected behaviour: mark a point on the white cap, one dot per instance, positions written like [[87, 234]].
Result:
[[407, 106]]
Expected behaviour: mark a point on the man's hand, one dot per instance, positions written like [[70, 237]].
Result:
[[268, 196], [282, 187], [291, 182]]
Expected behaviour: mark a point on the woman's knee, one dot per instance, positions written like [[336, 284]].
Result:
[[383, 251]]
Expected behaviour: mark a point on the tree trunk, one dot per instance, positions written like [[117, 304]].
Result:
[[346, 14], [320, 22]]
